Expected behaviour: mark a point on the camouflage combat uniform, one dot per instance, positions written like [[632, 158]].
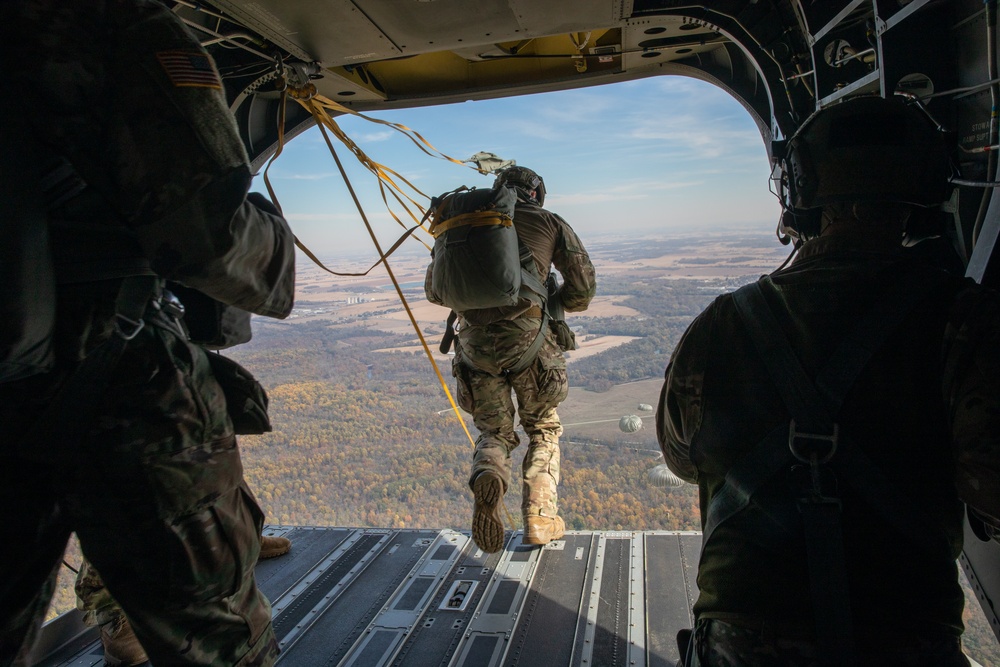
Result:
[[94, 601], [718, 402], [494, 339], [727, 645], [151, 480]]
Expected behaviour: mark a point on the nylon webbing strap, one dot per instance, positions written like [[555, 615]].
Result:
[[383, 257], [449, 333], [828, 580], [529, 272], [863, 341], [835, 381], [804, 402], [857, 469], [529, 355], [761, 464], [474, 219], [61, 183], [821, 518]]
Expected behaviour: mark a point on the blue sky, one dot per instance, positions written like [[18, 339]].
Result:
[[661, 155]]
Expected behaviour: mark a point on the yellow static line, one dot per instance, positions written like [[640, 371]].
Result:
[[318, 106]]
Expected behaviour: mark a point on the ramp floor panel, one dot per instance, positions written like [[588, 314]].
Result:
[[337, 627], [275, 576], [552, 611], [671, 571]]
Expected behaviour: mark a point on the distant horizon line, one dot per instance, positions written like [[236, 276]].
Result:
[[369, 256]]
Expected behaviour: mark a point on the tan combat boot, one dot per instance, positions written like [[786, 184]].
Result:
[[122, 647], [540, 529], [271, 547], [487, 524]]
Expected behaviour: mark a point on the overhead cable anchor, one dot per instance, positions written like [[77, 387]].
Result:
[[299, 77]]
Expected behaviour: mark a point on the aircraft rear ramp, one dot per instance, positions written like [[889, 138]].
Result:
[[368, 597]]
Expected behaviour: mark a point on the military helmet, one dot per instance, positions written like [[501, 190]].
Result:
[[866, 149], [523, 179]]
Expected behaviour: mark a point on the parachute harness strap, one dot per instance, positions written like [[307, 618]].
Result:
[[317, 105], [471, 219], [476, 219]]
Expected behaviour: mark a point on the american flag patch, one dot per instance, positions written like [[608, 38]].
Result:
[[189, 68]]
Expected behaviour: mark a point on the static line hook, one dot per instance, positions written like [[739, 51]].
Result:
[[280, 80], [300, 73]]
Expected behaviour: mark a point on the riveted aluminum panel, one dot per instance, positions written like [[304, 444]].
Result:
[[275, 576], [671, 589], [339, 626], [551, 612], [436, 638], [302, 28]]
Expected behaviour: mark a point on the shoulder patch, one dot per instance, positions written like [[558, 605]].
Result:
[[189, 69]]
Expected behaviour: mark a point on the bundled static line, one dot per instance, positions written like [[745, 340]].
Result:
[[320, 107]]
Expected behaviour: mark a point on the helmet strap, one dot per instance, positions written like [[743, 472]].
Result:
[[799, 225]]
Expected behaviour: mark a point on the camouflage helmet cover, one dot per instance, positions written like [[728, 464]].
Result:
[[866, 149], [523, 179]]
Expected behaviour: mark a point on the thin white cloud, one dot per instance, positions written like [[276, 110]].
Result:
[[577, 107], [585, 198], [627, 192], [382, 135], [706, 136], [529, 128], [315, 176], [319, 217]]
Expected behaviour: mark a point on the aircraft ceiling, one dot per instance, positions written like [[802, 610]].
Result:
[[381, 54], [781, 59]]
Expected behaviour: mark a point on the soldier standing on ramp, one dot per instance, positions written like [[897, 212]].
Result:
[[836, 413], [118, 139]]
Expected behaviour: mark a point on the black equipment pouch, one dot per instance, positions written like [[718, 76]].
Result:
[[212, 324], [246, 400], [563, 334], [552, 302], [449, 333], [557, 315]]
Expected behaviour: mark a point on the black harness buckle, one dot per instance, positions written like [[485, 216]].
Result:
[[815, 449], [812, 448]]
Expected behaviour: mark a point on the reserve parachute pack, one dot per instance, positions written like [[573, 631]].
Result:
[[477, 261]]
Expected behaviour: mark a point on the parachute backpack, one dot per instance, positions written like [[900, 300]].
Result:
[[477, 261]]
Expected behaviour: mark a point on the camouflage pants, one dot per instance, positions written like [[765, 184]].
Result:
[[485, 392], [721, 644], [154, 490], [94, 601]]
